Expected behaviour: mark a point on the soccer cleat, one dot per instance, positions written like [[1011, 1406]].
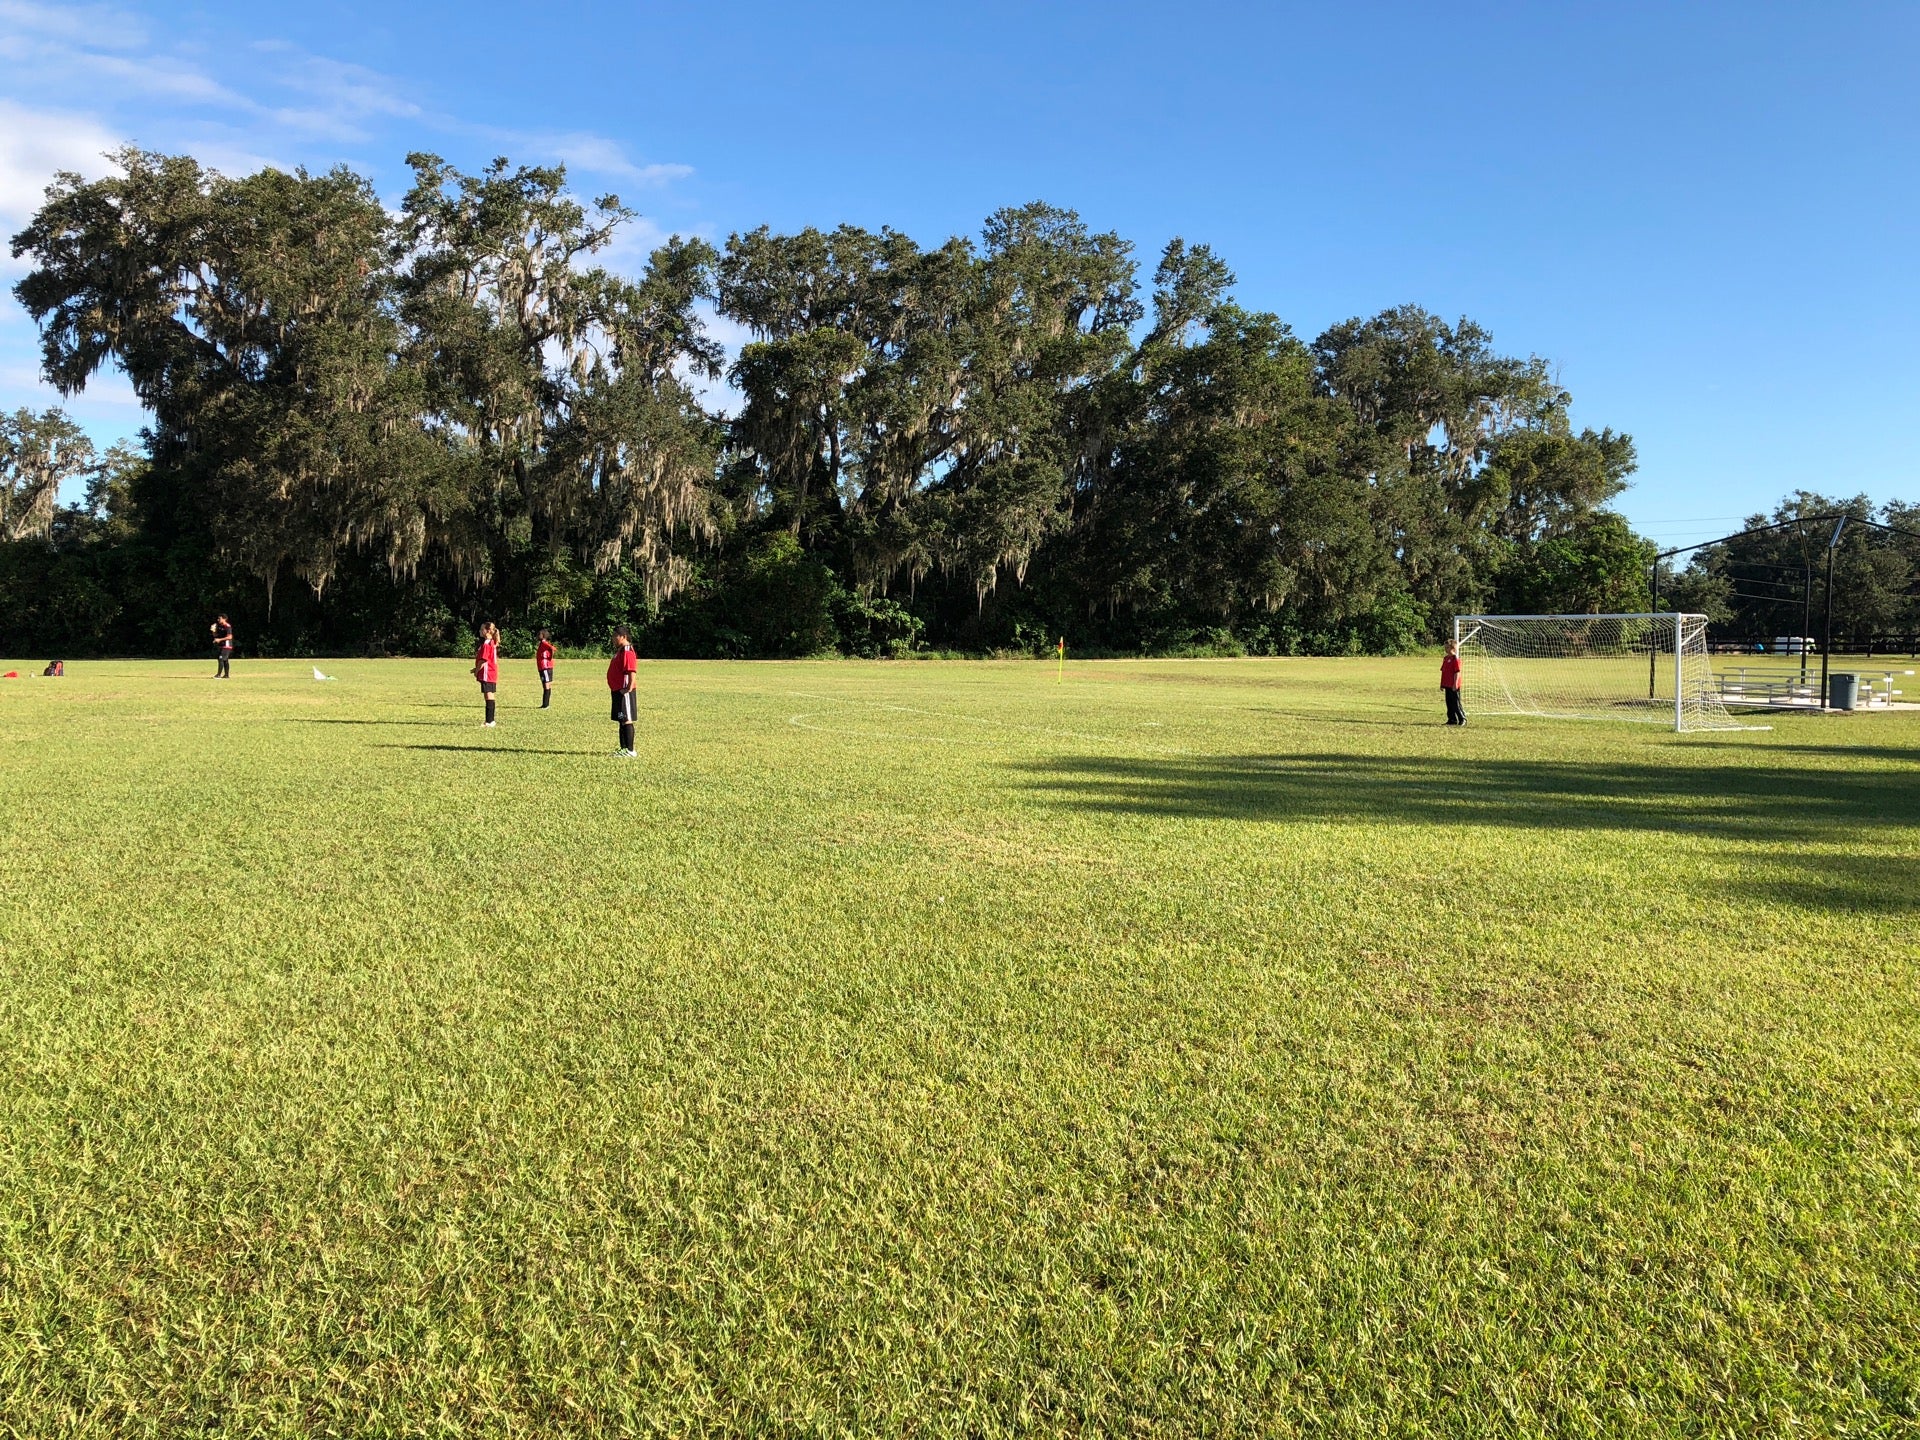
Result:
[[624, 754], [487, 723]]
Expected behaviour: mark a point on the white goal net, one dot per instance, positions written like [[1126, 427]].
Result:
[[1591, 667]]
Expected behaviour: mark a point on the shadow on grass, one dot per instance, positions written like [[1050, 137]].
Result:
[[1838, 750], [310, 720], [1780, 810]]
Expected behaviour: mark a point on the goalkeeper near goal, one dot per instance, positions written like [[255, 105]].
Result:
[[1450, 685]]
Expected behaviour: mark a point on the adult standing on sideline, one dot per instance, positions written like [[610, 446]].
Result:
[[486, 666], [1450, 685], [543, 662], [622, 680], [222, 632]]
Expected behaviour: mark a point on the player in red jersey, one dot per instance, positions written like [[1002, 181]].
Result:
[[1450, 685], [543, 662], [486, 666], [622, 681]]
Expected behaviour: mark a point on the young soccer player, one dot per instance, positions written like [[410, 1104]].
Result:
[[222, 632], [486, 666], [1450, 685], [543, 661], [622, 681]]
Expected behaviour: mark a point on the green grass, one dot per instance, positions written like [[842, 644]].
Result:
[[1188, 1048]]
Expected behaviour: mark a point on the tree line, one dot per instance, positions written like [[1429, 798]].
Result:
[[371, 428]]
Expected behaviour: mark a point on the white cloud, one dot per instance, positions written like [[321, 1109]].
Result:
[[34, 144], [288, 99], [598, 155], [330, 98], [109, 394], [345, 95], [101, 26], [159, 76], [236, 106], [717, 395]]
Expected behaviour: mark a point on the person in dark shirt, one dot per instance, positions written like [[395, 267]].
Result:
[[1450, 685], [222, 632]]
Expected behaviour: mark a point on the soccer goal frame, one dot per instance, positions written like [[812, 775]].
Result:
[[1591, 667]]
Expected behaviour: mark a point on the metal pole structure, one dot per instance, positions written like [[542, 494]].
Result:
[[1678, 622], [1653, 657], [1806, 611], [1806, 592], [1826, 639]]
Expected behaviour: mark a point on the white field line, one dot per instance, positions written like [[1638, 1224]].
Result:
[[803, 721]]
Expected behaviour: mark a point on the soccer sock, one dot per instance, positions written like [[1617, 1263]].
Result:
[[546, 698], [626, 736], [489, 709]]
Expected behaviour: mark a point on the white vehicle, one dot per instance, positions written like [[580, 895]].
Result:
[[1792, 645]]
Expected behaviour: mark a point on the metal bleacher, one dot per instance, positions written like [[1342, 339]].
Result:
[[1773, 688]]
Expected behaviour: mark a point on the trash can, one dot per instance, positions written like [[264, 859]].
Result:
[[1843, 690]]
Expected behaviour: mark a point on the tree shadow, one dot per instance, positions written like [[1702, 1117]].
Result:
[[1765, 806], [1909, 755]]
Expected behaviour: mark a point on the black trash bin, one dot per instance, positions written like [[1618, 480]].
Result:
[[1843, 690]]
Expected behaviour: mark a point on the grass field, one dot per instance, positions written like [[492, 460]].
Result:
[[939, 1049]]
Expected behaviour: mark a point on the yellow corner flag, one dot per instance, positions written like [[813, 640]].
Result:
[[1063, 660]]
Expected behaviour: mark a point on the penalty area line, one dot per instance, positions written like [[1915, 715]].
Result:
[[803, 721]]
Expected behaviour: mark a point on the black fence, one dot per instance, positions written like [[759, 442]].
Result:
[[1787, 646]]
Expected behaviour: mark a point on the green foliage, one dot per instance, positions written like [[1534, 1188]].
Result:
[[985, 444], [1197, 1048], [875, 629], [1598, 566], [770, 600], [38, 454]]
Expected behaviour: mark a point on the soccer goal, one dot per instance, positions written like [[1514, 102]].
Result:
[[1591, 667]]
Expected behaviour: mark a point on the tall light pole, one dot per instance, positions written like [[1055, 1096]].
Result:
[[1826, 640], [1806, 610]]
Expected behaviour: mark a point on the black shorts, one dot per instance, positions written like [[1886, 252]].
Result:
[[625, 707], [546, 677], [488, 687]]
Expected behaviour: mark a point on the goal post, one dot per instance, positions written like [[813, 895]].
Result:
[[1652, 668]]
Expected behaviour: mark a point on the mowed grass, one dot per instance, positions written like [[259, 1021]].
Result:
[[942, 1049]]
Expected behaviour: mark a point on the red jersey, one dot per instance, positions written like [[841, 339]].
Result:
[[1450, 673], [487, 661], [543, 655], [623, 664]]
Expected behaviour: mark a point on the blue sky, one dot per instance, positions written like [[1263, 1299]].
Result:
[[1706, 215]]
